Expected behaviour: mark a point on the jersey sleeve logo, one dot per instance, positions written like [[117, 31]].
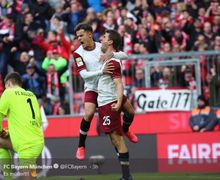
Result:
[[79, 61]]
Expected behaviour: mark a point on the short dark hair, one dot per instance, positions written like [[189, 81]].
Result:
[[115, 37], [14, 78], [83, 26], [202, 98]]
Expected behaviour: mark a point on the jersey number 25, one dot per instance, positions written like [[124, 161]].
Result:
[[106, 121]]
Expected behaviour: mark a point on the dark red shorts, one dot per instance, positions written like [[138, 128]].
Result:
[[109, 120], [91, 97]]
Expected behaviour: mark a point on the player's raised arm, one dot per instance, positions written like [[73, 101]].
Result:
[[107, 69], [120, 55], [84, 73], [88, 74], [117, 55]]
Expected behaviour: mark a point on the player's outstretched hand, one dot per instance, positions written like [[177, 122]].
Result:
[[4, 134], [108, 68], [115, 107]]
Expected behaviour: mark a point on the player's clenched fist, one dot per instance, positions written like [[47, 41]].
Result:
[[4, 133], [115, 107]]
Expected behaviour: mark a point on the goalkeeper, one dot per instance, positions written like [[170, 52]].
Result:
[[24, 125]]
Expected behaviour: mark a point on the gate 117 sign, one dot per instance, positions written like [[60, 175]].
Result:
[[163, 100]]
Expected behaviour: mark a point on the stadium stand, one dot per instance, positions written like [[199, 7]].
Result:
[[35, 30]]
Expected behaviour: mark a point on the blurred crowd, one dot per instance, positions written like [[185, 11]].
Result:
[[37, 39]]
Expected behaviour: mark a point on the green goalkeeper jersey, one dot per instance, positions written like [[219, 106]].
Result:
[[24, 118]]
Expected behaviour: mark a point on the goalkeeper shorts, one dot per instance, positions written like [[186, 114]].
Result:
[[28, 157]]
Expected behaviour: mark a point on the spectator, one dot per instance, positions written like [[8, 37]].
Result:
[[124, 14], [166, 48], [47, 105], [95, 27], [208, 33], [136, 48], [32, 81], [211, 87], [56, 24], [24, 32], [216, 24], [6, 40], [53, 86], [54, 3], [41, 11], [202, 117], [77, 81], [61, 108], [138, 11], [141, 35], [90, 17], [75, 16], [20, 61], [212, 9], [175, 49], [192, 8], [216, 42], [139, 80], [167, 30], [96, 5], [167, 79], [193, 30], [144, 48], [54, 58], [110, 21], [155, 76], [180, 38], [61, 111], [200, 44], [51, 43], [5, 7], [59, 64], [188, 79]]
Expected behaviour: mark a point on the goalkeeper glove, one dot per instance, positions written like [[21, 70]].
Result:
[[4, 134]]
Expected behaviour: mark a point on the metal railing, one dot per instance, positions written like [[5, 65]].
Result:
[[189, 54], [173, 63]]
